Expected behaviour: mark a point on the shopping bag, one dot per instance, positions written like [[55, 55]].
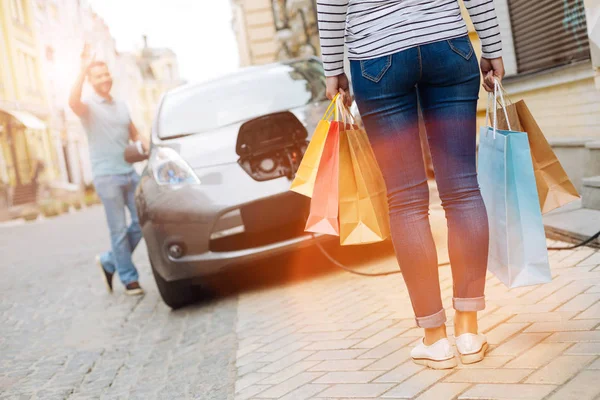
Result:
[[304, 181], [324, 207], [555, 189], [364, 215], [375, 183], [518, 255], [348, 212]]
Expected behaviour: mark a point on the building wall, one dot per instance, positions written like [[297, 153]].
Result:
[[166, 77], [20, 70], [592, 9], [241, 33], [255, 29], [22, 88], [127, 74], [565, 101], [57, 48], [21, 74]]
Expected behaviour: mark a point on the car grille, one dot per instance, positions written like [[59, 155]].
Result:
[[267, 221]]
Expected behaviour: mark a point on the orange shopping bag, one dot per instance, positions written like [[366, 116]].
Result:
[[304, 182], [324, 206]]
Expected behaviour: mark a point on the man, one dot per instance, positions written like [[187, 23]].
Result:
[[109, 128]]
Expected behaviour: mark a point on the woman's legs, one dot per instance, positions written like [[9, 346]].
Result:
[[385, 90], [448, 92]]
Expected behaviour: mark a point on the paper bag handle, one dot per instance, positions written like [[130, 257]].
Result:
[[345, 112], [332, 109], [492, 101]]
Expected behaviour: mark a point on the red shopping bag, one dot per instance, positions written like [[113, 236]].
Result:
[[324, 207]]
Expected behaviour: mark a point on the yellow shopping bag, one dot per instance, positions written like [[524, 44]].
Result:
[[304, 182], [364, 216]]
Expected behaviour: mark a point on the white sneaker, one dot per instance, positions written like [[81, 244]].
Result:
[[471, 347], [439, 355]]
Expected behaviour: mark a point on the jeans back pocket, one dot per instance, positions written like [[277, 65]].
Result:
[[462, 46], [374, 69]]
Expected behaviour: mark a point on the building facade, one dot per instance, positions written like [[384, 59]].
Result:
[[271, 30], [61, 42], [27, 153], [552, 63], [159, 72]]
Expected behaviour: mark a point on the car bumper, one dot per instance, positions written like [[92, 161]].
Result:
[[211, 263]]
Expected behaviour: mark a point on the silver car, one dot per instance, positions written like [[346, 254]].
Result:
[[215, 192]]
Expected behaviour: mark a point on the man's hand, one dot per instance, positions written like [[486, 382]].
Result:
[[86, 59], [339, 84], [491, 69], [135, 136]]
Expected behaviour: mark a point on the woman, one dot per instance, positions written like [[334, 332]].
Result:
[[403, 52]]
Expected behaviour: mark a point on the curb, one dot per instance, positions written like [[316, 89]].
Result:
[[569, 237]]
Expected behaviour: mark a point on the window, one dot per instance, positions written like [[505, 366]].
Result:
[[29, 71], [548, 33], [241, 97], [18, 11]]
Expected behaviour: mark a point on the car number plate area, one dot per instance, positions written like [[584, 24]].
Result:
[[275, 212]]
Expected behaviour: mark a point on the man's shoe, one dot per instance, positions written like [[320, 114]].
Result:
[[107, 276], [134, 289], [439, 355], [471, 347]]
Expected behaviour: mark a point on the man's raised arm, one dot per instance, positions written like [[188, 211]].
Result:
[[75, 102]]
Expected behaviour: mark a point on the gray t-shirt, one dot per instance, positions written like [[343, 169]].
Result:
[[107, 126]]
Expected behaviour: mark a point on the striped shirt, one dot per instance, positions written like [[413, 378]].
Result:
[[375, 28]]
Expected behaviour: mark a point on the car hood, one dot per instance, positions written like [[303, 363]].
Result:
[[218, 147]]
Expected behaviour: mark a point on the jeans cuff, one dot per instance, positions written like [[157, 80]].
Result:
[[432, 321], [474, 304]]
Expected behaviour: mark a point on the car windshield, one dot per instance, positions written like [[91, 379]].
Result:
[[241, 97]]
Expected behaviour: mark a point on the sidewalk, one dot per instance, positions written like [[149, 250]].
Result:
[[347, 337]]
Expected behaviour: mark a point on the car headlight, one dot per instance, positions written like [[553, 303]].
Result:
[[169, 168]]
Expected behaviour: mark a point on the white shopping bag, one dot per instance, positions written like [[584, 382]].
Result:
[[518, 255]]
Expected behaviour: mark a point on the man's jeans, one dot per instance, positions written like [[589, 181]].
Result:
[[444, 76], [117, 192]]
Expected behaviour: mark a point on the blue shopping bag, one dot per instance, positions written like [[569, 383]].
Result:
[[518, 255]]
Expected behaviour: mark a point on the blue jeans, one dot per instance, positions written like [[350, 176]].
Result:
[[444, 78], [117, 192]]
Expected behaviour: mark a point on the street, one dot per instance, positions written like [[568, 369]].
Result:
[[289, 328], [63, 336]]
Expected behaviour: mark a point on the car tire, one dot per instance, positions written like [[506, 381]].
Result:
[[175, 294]]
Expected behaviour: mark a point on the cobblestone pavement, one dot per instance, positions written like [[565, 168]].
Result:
[[63, 337], [296, 330], [344, 336]]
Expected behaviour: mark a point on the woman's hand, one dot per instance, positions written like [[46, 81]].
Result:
[[339, 84], [491, 69]]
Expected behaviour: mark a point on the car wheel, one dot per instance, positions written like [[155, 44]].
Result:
[[175, 294]]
